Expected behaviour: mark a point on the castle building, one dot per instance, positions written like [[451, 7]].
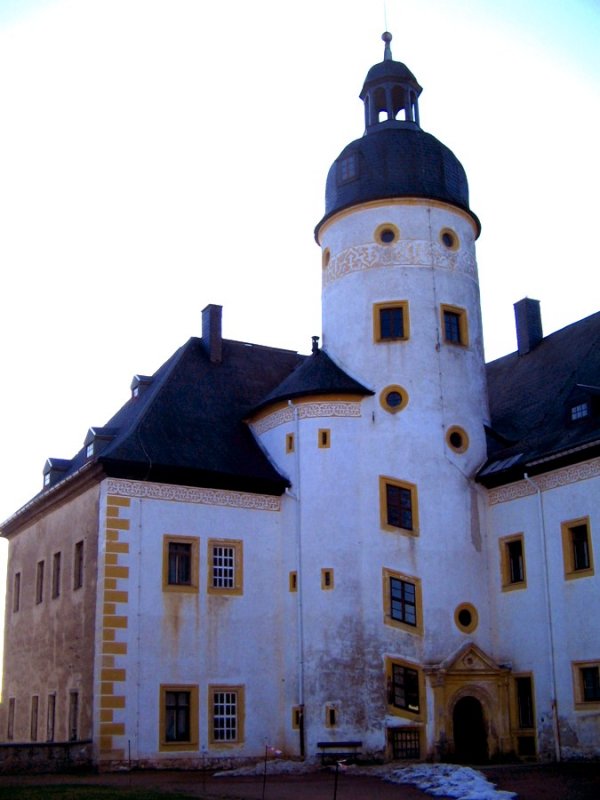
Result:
[[386, 542]]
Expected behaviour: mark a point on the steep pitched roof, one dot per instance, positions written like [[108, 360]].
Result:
[[530, 398], [317, 374]]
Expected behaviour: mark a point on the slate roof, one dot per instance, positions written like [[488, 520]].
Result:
[[530, 398]]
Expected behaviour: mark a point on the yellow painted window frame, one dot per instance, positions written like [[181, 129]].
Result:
[[327, 584], [290, 444], [384, 481], [504, 542], [293, 581], [567, 546], [324, 438], [577, 667], [474, 617], [194, 586], [386, 574], [414, 716], [331, 715], [383, 401], [240, 690], [392, 304], [193, 743], [296, 717], [514, 705], [238, 573], [463, 326]]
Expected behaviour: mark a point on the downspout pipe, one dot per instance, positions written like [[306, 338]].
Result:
[[299, 581], [542, 529]]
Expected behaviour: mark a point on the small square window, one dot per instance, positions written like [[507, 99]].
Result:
[[390, 321], [577, 548], [454, 325], [512, 562], [180, 564], [178, 717], [579, 411], [586, 681], [225, 566], [226, 704], [398, 501]]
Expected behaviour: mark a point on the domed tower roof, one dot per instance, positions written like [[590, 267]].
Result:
[[395, 157]]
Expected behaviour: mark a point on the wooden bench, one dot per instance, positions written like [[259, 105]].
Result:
[[331, 752]]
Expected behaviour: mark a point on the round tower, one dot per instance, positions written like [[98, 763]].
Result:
[[401, 315]]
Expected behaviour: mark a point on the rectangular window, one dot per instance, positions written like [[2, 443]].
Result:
[[590, 678], [73, 716], [225, 566], [293, 581], [324, 437], [326, 578], [10, 723], [512, 562], [577, 548], [16, 592], [330, 716], [296, 717], [580, 411], [56, 575], [51, 717], [390, 321], [39, 582], [402, 601], [398, 501], [404, 690], [179, 717], [78, 566], [289, 443], [227, 714], [405, 743], [347, 169], [35, 705], [586, 682], [180, 563], [454, 325], [524, 693]]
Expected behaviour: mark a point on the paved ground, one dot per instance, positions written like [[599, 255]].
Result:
[[551, 782]]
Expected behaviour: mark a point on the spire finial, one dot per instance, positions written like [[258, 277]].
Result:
[[387, 53]]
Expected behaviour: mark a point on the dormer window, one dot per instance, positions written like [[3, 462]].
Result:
[[89, 450], [347, 168], [579, 411], [47, 479]]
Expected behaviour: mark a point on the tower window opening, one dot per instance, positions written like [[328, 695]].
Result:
[[387, 233], [347, 168], [454, 325]]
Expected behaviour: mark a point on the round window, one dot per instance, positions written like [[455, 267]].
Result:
[[449, 239], [466, 617], [387, 233], [457, 439], [393, 398]]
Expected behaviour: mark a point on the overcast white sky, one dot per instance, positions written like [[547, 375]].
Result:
[[159, 155]]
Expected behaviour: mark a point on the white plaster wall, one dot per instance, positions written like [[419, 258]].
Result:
[[521, 619], [202, 639]]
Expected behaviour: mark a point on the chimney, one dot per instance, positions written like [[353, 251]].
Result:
[[529, 325], [212, 340]]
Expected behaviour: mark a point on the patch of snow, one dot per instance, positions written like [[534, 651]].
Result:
[[438, 780], [448, 780]]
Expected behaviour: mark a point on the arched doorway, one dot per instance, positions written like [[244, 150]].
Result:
[[470, 735]]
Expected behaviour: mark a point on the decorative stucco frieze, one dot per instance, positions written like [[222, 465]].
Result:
[[551, 480], [326, 408], [189, 494], [404, 254]]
